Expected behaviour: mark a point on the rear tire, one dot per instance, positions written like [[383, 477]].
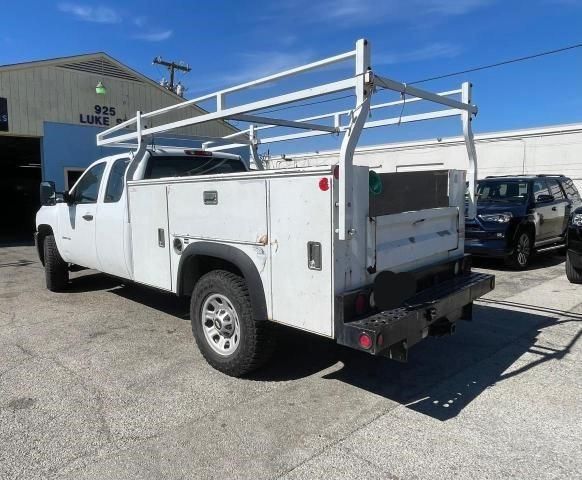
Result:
[[573, 274], [226, 333], [522, 251], [56, 269]]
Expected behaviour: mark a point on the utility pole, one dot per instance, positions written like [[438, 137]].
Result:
[[172, 67]]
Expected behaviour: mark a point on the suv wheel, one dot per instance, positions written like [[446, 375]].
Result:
[[226, 333], [573, 274], [522, 251]]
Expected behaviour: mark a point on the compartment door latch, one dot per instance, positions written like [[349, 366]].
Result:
[[314, 255]]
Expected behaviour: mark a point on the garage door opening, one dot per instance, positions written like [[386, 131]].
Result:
[[19, 187]]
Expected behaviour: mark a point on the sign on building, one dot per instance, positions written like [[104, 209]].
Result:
[[3, 115]]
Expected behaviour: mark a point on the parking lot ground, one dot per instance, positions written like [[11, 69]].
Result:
[[105, 382]]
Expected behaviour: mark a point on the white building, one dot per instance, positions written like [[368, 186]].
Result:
[[556, 149]]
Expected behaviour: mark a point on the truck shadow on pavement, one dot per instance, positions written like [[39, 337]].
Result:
[[443, 375]]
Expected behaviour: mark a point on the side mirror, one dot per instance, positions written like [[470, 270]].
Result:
[[544, 198], [48, 195], [67, 197]]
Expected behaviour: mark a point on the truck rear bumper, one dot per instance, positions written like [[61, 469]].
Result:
[[432, 311]]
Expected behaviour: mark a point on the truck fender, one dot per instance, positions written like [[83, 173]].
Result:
[[233, 256]]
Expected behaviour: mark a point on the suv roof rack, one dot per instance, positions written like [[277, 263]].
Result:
[[560, 175]]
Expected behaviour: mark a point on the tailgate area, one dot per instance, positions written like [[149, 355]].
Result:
[[408, 237], [392, 332], [414, 219]]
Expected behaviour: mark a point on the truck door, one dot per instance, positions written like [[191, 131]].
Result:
[[150, 240], [77, 219], [112, 228]]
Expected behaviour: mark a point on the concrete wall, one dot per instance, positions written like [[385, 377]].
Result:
[[545, 150]]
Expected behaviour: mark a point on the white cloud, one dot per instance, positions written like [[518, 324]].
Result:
[[154, 36], [356, 13], [140, 21], [428, 52], [263, 64], [91, 14]]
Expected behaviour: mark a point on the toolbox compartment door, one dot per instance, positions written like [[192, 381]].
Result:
[[150, 241]]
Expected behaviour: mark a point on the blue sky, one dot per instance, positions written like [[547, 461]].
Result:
[[228, 42]]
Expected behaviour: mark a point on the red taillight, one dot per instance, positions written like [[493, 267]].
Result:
[[324, 184], [336, 172], [198, 153], [365, 341], [361, 304]]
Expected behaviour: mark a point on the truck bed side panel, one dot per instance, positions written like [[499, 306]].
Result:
[[301, 213], [230, 212]]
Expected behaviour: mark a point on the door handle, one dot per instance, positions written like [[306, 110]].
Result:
[[554, 209], [88, 217]]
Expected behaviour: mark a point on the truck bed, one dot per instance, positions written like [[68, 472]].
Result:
[[276, 217]]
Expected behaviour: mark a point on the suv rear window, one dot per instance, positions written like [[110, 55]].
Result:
[[161, 166]]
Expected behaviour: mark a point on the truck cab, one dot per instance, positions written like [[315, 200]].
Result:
[[89, 223]]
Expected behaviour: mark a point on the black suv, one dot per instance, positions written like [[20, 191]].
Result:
[[519, 214]]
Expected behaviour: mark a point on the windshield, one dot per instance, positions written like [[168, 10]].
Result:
[[161, 166], [502, 191]]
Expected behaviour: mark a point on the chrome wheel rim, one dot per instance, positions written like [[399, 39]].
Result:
[[220, 324], [523, 249]]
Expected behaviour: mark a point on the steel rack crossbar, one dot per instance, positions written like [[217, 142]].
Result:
[[363, 83]]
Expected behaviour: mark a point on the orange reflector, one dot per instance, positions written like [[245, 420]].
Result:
[[365, 341]]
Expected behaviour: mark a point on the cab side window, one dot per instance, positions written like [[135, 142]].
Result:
[[87, 188], [555, 189], [116, 181]]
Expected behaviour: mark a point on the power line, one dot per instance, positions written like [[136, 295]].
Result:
[[498, 64], [475, 69]]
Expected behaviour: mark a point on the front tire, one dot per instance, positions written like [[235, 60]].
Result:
[[573, 274], [522, 251], [226, 333], [56, 269]]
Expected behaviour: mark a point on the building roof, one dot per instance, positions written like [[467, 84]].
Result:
[[100, 63]]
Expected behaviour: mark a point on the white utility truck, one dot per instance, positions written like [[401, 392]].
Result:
[[372, 260]]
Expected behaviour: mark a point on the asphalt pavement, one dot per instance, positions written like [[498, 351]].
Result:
[[105, 382]]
